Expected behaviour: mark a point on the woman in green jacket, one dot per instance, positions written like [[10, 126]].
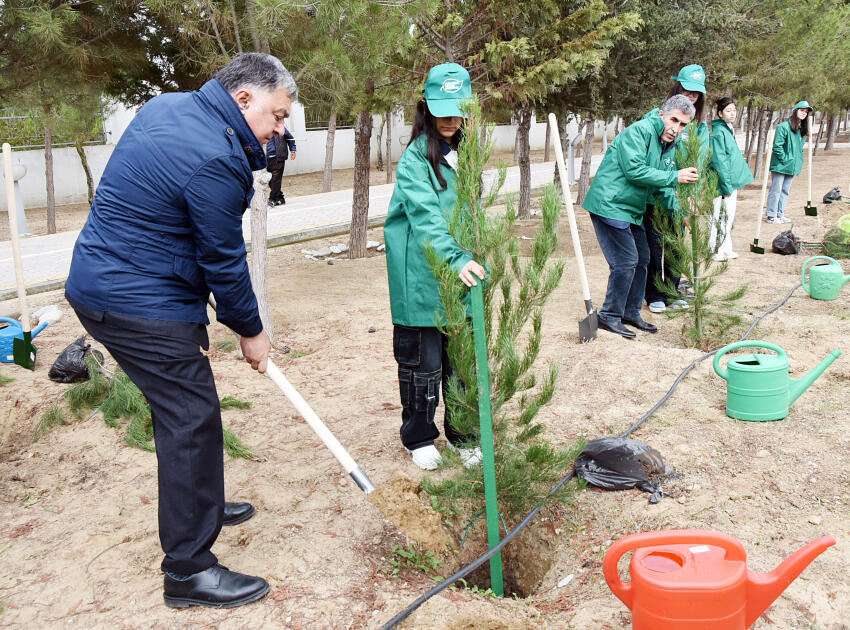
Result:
[[787, 160], [732, 173], [424, 195]]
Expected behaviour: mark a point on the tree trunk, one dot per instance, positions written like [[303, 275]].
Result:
[[564, 138], [48, 172], [380, 156], [547, 146], [820, 133], [831, 132], [85, 162], [586, 157], [261, 44], [360, 201], [761, 147], [329, 153], [259, 248], [389, 147], [753, 124], [524, 115]]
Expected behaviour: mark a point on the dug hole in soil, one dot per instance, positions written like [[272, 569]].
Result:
[[78, 533]]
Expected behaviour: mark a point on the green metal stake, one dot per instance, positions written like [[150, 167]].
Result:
[[485, 420]]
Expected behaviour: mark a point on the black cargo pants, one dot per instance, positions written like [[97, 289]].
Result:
[[423, 365]]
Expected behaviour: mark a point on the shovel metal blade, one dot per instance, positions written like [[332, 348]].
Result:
[[588, 327], [755, 248], [23, 352]]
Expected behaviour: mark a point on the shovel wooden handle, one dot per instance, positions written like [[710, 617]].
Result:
[[766, 165], [571, 217], [13, 235]]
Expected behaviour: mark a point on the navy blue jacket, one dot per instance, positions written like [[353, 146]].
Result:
[[278, 149], [165, 227]]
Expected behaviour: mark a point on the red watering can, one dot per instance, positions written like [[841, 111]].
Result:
[[694, 579]]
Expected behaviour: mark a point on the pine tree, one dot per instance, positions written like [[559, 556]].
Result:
[[689, 251], [514, 294]]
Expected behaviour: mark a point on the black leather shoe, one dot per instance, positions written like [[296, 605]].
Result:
[[216, 587], [641, 325], [617, 327], [235, 513]]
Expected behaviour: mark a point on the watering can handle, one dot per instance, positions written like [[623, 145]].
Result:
[[10, 321], [722, 373], [623, 590], [832, 261], [844, 223]]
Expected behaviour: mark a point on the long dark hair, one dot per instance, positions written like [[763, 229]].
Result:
[[678, 89], [797, 124], [425, 123]]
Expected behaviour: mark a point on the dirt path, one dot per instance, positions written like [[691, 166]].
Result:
[[78, 537]]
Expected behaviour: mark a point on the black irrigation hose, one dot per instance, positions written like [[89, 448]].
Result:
[[516, 530]]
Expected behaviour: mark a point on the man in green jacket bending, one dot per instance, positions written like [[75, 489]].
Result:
[[630, 173]]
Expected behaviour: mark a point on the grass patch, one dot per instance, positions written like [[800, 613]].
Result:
[[235, 447], [231, 402], [5, 380], [51, 417], [225, 345]]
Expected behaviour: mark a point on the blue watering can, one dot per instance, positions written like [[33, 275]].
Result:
[[14, 329]]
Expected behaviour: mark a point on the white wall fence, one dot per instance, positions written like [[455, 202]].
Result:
[[70, 182]]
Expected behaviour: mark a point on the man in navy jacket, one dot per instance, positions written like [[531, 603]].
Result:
[[164, 231], [280, 149]]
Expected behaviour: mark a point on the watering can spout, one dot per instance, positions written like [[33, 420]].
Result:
[[798, 386], [764, 588]]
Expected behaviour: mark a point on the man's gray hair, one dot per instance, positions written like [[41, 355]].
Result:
[[680, 102], [257, 70]]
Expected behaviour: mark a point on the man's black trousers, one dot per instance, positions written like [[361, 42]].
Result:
[[164, 360], [423, 365], [275, 183]]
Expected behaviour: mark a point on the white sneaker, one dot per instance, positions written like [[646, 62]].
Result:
[[784, 219], [774, 220], [732, 255], [657, 307], [678, 305], [720, 257], [469, 456], [427, 457]]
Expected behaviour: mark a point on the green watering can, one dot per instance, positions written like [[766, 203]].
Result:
[[825, 281], [759, 387]]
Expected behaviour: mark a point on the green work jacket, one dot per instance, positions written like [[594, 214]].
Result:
[[787, 155], [417, 216], [727, 160], [631, 171]]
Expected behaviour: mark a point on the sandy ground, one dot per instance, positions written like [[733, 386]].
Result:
[[78, 535]]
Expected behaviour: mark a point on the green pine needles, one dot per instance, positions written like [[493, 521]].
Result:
[[514, 294], [689, 252], [121, 402]]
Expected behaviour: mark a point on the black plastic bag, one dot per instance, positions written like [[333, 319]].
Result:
[[832, 195], [70, 366], [616, 463], [786, 243]]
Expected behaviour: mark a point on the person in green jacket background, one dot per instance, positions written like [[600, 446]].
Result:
[[690, 83], [424, 195], [631, 172], [732, 173], [787, 160]]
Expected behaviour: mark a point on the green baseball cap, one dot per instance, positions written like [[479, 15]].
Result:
[[692, 78], [803, 105], [447, 86]]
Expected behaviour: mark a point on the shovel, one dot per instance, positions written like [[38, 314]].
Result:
[[589, 326], [755, 247], [23, 352], [811, 211], [348, 463]]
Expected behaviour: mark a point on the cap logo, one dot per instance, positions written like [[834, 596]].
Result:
[[452, 86], [697, 76]]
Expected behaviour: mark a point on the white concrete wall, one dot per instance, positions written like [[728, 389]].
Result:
[[70, 182]]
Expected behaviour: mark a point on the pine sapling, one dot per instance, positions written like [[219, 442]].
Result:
[[514, 293], [686, 235]]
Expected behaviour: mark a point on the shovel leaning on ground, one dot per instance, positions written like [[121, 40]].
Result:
[[354, 471], [754, 246], [589, 326], [23, 350]]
